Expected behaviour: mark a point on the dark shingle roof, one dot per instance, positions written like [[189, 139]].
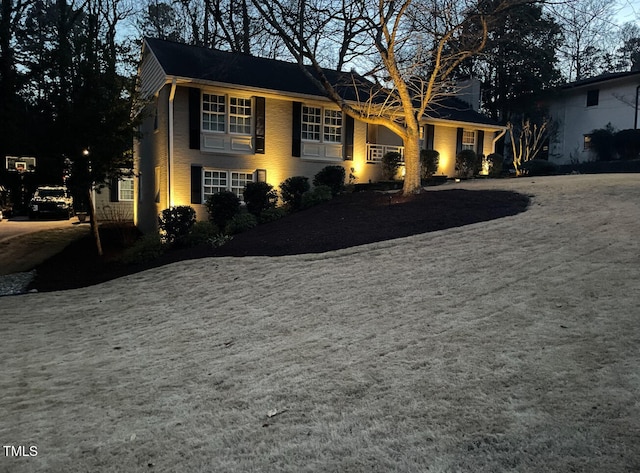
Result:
[[452, 108], [204, 64], [601, 78]]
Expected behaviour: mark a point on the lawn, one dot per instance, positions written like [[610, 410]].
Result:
[[504, 345]]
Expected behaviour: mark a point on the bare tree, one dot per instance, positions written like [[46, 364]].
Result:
[[414, 48], [587, 27], [527, 139]]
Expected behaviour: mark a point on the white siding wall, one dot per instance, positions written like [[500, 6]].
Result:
[[616, 105]]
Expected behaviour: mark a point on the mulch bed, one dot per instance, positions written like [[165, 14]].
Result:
[[346, 221]]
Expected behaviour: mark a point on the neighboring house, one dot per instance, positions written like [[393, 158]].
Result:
[[590, 104], [114, 203], [216, 120]]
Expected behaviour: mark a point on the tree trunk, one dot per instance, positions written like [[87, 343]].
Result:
[[94, 222], [412, 181]]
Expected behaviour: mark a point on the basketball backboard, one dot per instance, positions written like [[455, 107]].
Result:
[[21, 163]]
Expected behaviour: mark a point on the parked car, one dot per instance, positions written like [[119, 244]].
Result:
[[5, 205], [51, 201]]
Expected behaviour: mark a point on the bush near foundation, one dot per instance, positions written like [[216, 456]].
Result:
[[332, 177], [292, 189], [391, 162], [259, 196], [200, 234], [222, 206], [240, 222], [148, 248], [176, 222], [467, 163], [429, 160], [495, 164], [316, 196], [538, 167]]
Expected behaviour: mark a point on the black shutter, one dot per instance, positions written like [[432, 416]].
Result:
[[296, 131], [349, 125], [480, 143], [260, 127], [430, 132], [459, 140], [113, 189], [194, 118], [196, 184]]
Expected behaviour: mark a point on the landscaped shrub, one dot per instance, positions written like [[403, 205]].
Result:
[[149, 247], [538, 167], [240, 222], [200, 234], [175, 222], [331, 176], [292, 189], [495, 164], [316, 196], [391, 162], [602, 143], [627, 144], [429, 160], [466, 163], [260, 196], [270, 215], [222, 207]]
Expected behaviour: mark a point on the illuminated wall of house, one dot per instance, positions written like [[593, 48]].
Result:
[[150, 184], [277, 159], [152, 187], [444, 141]]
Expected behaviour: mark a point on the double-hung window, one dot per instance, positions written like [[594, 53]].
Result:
[[311, 123], [225, 114], [321, 125], [239, 181], [214, 112], [215, 181], [239, 115], [469, 140], [332, 126], [125, 189]]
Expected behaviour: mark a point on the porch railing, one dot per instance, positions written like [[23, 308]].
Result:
[[375, 152]]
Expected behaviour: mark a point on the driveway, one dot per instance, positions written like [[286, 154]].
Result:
[[16, 226], [25, 243]]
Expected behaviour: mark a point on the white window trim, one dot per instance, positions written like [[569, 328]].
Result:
[[466, 144], [120, 189], [224, 113], [227, 113], [228, 181], [324, 129]]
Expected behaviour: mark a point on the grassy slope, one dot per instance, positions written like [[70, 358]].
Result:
[[509, 345]]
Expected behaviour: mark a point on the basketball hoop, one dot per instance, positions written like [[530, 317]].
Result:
[[21, 164]]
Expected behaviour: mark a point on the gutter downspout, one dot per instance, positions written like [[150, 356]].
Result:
[[635, 118], [497, 137], [170, 151]]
